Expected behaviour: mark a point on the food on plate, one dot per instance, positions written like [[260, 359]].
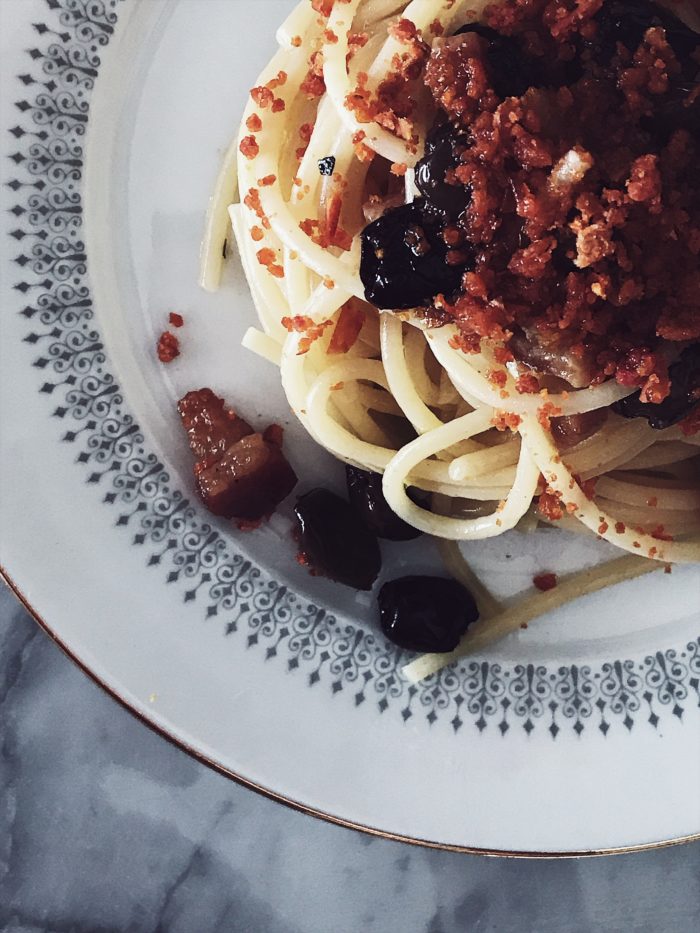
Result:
[[472, 235], [334, 541], [168, 347], [423, 613], [239, 473]]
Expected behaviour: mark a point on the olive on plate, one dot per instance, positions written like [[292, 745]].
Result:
[[421, 613]]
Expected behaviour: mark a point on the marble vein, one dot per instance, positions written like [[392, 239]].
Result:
[[106, 828]]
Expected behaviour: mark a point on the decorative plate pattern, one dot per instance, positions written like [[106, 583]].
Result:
[[47, 152]]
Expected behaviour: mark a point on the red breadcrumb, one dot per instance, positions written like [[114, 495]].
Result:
[[305, 325], [176, 319], [527, 383], [249, 147], [497, 377], [626, 207], [313, 84], [549, 504], [347, 330], [323, 7], [505, 420], [277, 81], [168, 347], [547, 411], [262, 96], [545, 581]]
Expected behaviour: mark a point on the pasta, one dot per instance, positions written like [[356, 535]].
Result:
[[306, 161]]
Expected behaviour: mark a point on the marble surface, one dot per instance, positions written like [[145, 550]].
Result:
[[104, 826]]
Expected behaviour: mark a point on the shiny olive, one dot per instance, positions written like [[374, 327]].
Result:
[[335, 540], [426, 613], [366, 497], [403, 259], [442, 148], [683, 398]]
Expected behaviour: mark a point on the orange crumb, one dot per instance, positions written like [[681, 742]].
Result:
[[546, 412], [262, 96], [526, 383], [506, 419], [249, 147], [545, 581]]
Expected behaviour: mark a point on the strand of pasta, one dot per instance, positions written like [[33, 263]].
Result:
[[560, 479], [430, 475], [407, 459], [464, 376], [216, 225], [458, 567], [488, 630], [335, 399], [651, 493], [269, 300], [401, 382], [335, 75]]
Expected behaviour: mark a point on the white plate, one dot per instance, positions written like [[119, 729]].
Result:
[[579, 734]]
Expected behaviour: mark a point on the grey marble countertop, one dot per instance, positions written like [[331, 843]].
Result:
[[104, 826]]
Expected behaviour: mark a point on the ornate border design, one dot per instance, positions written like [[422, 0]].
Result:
[[111, 450]]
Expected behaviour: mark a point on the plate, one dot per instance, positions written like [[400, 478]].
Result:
[[580, 734]]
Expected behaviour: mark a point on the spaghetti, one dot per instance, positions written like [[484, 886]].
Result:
[[323, 136]]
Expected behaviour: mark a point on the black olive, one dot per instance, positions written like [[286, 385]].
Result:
[[684, 397], [402, 263], [336, 541], [426, 613], [512, 71], [442, 153], [626, 21], [366, 497]]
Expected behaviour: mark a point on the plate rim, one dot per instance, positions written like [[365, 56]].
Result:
[[306, 809]]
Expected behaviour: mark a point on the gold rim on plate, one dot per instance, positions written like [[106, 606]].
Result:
[[305, 808]]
